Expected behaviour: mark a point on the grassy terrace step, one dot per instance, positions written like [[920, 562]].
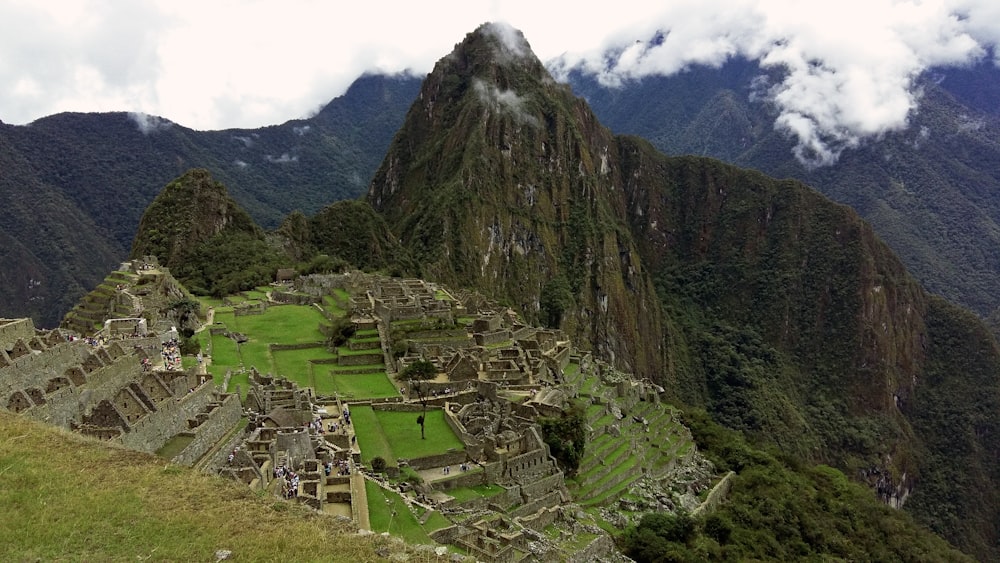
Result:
[[599, 471], [596, 450], [627, 472], [572, 372], [611, 493], [603, 422], [589, 384], [595, 412]]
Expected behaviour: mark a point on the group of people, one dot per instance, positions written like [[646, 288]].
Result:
[[342, 466], [171, 353], [92, 340], [289, 481], [447, 468]]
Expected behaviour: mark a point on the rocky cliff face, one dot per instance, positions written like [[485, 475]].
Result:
[[779, 311], [501, 180]]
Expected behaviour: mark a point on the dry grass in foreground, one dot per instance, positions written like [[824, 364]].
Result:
[[68, 498]]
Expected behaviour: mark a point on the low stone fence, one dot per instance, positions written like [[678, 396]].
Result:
[[301, 346], [360, 359], [715, 497], [290, 298], [220, 421], [439, 460], [541, 519]]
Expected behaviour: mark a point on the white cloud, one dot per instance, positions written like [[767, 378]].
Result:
[[850, 65], [507, 101], [149, 123]]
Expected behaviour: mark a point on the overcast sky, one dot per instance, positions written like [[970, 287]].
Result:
[[213, 64]]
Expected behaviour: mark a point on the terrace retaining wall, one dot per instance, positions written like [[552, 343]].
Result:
[[220, 421]]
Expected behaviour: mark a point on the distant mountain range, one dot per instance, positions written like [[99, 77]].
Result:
[[73, 186], [779, 312], [931, 191]]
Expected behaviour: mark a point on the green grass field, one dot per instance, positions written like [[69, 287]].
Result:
[[403, 433], [371, 439], [392, 435], [295, 364], [282, 324], [111, 504], [333, 307], [388, 513], [462, 494], [357, 386]]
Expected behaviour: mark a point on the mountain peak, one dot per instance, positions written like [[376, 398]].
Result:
[[492, 52]]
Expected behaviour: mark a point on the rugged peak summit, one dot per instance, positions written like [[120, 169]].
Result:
[[188, 211], [501, 180], [492, 47]]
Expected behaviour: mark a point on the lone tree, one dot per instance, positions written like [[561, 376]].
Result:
[[416, 374]]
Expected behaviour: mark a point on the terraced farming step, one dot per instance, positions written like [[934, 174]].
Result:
[[619, 479], [608, 464]]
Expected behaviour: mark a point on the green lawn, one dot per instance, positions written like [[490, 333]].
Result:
[[256, 295], [295, 365], [334, 308], [371, 439], [281, 324], [403, 433], [392, 435], [463, 494], [358, 386], [388, 513]]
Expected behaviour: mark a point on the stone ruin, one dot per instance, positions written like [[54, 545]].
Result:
[[100, 388], [283, 438]]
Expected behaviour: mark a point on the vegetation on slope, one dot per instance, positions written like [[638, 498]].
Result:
[[75, 185], [89, 501], [781, 510], [926, 190]]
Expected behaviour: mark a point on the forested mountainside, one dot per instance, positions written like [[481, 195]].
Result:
[[76, 184], [779, 311], [930, 191]]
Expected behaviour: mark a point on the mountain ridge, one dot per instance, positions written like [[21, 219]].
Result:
[[781, 312]]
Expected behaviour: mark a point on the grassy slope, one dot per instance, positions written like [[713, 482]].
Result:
[[83, 500]]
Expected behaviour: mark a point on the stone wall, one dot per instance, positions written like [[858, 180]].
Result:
[[600, 548], [13, 329], [541, 519], [33, 370], [67, 404], [439, 460], [549, 499], [715, 497], [218, 458], [360, 359], [467, 479], [153, 430], [220, 421]]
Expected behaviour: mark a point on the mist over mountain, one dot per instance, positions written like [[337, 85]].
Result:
[[929, 190], [777, 310], [756, 302], [77, 184]]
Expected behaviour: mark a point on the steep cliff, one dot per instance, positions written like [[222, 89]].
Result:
[[501, 180], [779, 311]]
